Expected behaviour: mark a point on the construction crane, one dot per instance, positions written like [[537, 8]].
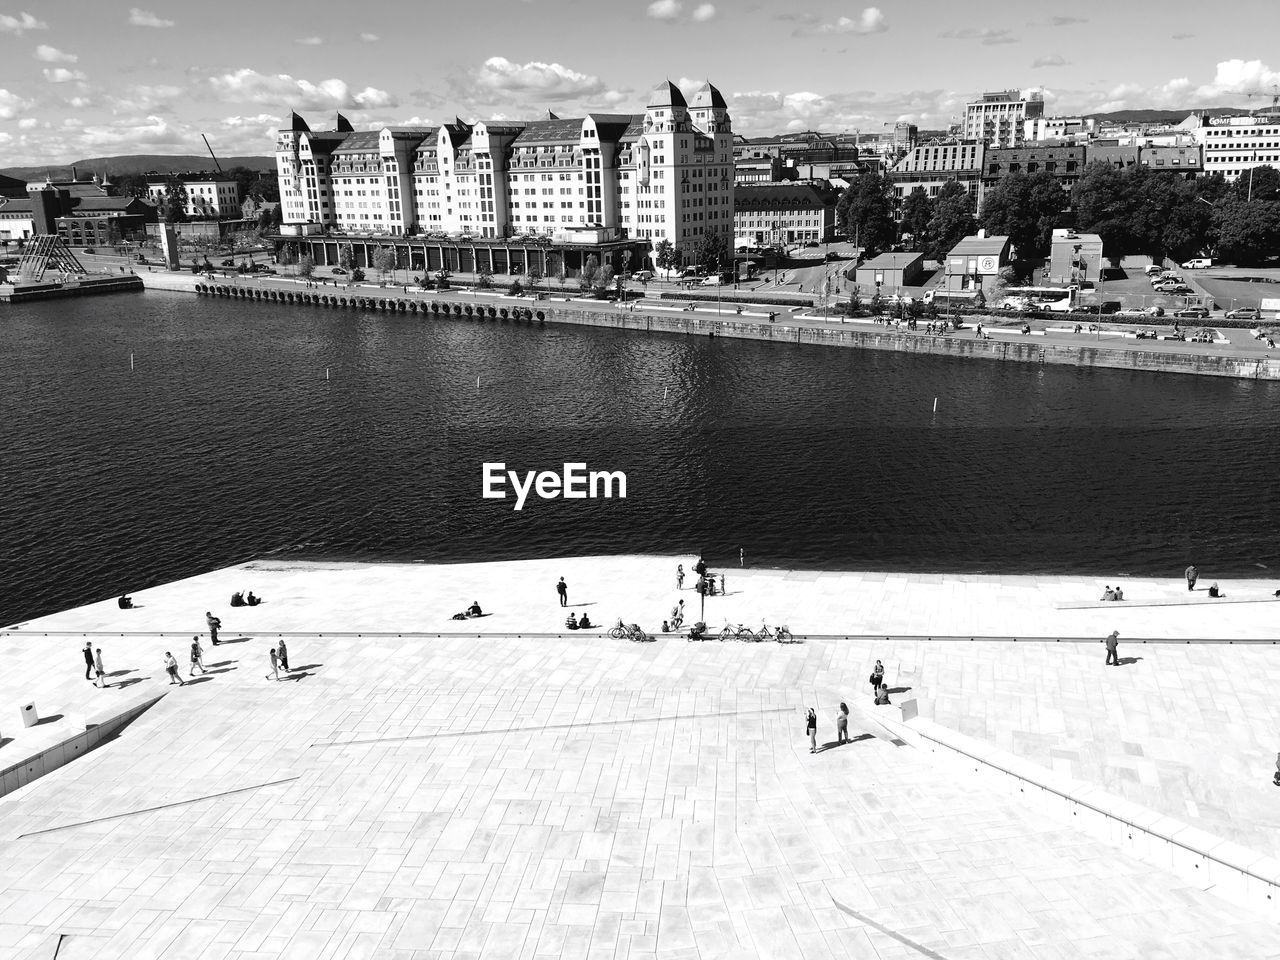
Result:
[[211, 153], [1275, 96]]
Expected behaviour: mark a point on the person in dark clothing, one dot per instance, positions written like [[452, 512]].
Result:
[[700, 568], [562, 588], [214, 626], [1113, 643], [125, 602], [88, 660]]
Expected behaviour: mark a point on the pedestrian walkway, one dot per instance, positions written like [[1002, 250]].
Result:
[[577, 796]]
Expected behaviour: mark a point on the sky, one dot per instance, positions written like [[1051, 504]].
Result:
[[87, 79]]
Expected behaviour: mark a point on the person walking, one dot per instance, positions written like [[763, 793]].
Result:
[[722, 584], [562, 588], [811, 728], [171, 668], [876, 679], [742, 557], [283, 653], [197, 656], [1113, 642], [1192, 575], [842, 723], [679, 576], [275, 665], [88, 660], [100, 675], [214, 626]]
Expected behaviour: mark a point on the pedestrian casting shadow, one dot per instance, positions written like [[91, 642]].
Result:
[[53, 718], [236, 640], [224, 670], [204, 679], [119, 673], [5, 741], [130, 682], [899, 689], [1126, 661], [836, 743], [296, 675], [308, 666], [580, 603], [223, 663]]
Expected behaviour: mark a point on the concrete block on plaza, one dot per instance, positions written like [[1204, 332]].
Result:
[[29, 716]]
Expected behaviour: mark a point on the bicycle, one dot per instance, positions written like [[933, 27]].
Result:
[[740, 632], [633, 632], [780, 634]]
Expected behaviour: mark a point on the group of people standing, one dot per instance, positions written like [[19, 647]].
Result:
[[880, 695]]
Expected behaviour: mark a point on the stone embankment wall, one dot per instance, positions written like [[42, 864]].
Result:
[[782, 330]]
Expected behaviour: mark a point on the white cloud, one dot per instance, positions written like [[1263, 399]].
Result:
[[704, 12], [871, 20], [262, 119], [989, 36], [11, 104], [62, 75], [310, 41], [28, 123], [1240, 77], [757, 112], [1051, 60], [665, 9], [546, 81], [145, 18], [20, 24], [282, 90], [369, 37], [53, 55]]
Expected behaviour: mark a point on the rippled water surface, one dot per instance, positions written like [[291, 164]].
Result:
[[227, 442]]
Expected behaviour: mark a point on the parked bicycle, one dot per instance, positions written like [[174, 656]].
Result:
[[632, 631], [739, 632], [778, 634]]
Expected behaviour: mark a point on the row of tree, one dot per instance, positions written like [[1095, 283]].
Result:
[[1136, 211]]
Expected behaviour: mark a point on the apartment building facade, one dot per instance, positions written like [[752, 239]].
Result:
[[666, 174], [208, 194], [1232, 146], [931, 165], [784, 213], [999, 118]]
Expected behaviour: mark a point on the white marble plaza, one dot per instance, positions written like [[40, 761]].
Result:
[[507, 795]]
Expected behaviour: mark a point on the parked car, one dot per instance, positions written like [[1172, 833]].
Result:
[[1175, 288], [642, 275], [1199, 263], [1192, 313], [1152, 270], [229, 262], [89, 250], [812, 243], [1244, 313]]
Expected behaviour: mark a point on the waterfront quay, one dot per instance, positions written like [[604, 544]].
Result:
[[1116, 347], [420, 787]]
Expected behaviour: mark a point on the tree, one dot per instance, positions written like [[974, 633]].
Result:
[[1104, 205], [665, 256], [589, 270], [626, 263], [346, 256], [917, 211], [1259, 185], [534, 274], [709, 252], [384, 261], [485, 280], [306, 267], [865, 212], [130, 185], [288, 254], [1248, 232], [951, 222], [1025, 208], [602, 280], [515, 290], [173, 206]]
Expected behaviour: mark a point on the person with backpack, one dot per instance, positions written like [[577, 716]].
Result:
[[811, 728], [876, 680], [214, 626]]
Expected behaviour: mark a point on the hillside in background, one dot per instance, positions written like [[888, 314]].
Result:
[[1163, 116], [138, 163]]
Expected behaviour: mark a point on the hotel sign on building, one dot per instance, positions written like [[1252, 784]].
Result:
[[1232, 146]]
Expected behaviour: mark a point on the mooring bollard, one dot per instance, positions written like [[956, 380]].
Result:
[[29, 716]]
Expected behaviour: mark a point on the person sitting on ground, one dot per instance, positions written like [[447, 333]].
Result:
[[125, 602], [1213, 591], [882, 695], [474, 610], [237, 599], [571, 621], [1119, 594], [1108, 594], [666, 627], [251, 600], [584, 622]]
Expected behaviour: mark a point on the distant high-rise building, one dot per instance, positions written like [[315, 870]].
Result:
[[998, 118], [905, 137]]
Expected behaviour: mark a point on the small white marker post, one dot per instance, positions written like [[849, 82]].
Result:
[[477, 383], [326, 373], [131, 361], [664, 392], [935, 404]]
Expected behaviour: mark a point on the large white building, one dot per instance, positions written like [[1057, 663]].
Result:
[[1232, 146], [999, 118], [208, 194], [666, 174]]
